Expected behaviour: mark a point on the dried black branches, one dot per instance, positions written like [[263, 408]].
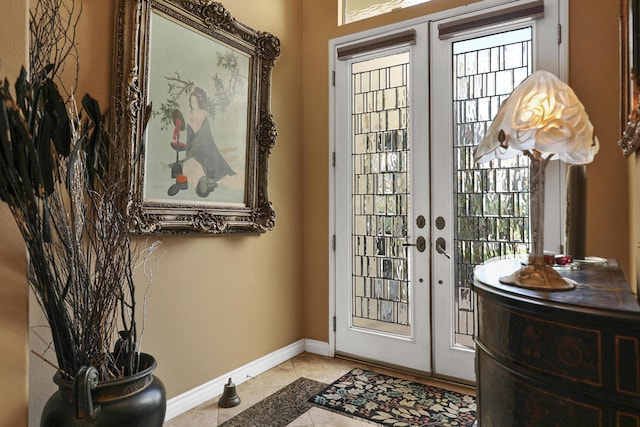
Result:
[[62, 176], [52, 42]]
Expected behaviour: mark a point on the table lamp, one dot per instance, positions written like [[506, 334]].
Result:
[[543, 119]]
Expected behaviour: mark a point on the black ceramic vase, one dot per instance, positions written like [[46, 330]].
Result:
[[138, 400]]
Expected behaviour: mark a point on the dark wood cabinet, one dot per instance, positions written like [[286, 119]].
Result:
[[568, 358]]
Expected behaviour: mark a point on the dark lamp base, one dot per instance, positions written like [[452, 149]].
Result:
[[538, 277]]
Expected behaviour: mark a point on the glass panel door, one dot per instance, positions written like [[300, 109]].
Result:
[[483, 210], [411, 212], [382, 266]]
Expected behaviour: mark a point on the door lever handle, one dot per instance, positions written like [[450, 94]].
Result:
[[420, 244], [441, 247]]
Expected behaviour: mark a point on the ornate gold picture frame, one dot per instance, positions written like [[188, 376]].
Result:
[[192, 89], [630, 76]]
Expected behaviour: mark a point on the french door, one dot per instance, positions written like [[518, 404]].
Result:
[[382, 179], [412, 214]]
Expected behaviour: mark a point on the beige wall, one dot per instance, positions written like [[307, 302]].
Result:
[[593, 74], [216, 303], [13, 287], [219, 302]]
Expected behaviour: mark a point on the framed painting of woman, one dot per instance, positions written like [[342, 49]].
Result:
[[630, 76], [192, 88]]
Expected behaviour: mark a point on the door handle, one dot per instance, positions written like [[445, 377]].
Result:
[[441, 247], [420, 244]]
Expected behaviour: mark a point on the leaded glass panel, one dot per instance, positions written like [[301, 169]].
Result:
[[491, 200], [380, 202]]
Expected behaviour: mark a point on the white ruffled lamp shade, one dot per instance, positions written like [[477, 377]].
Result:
[[543, 119], [542, 113]]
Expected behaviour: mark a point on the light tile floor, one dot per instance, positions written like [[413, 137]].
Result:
[[319, 368]]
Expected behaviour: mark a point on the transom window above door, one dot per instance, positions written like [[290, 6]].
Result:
[[355, 10]]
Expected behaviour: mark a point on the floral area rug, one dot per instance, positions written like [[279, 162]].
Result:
[[396, 402]]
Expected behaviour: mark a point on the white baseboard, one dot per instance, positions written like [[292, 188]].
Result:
[[197, 396], [317, 347]]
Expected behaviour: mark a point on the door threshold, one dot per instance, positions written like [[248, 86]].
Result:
[[408, 371]]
